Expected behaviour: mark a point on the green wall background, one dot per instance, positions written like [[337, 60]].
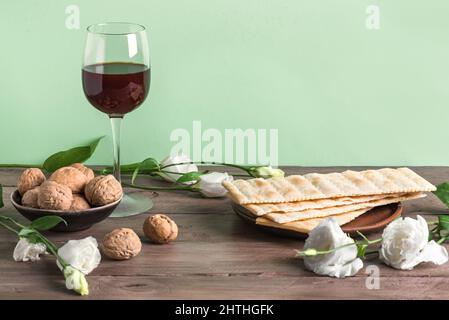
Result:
[[339, 94]]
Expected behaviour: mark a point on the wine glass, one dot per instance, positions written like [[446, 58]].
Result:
[[116, 80]]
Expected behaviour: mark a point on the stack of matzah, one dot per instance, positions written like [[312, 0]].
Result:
[[299, 203]]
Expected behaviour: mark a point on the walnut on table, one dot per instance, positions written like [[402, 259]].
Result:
[[54, 196], [159, 228], [71, 177], [121, 244], [29, 179], [103, 190]]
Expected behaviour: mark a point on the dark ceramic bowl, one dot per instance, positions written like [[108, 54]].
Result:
[[76, 220]]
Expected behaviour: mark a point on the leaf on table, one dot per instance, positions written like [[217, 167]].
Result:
[[46, 222], [68, 157], [149, 164]]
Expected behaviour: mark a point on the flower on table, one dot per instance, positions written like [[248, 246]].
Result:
[[75, 259], [405, 244], [340, 259], [82, 255], [174, 171], [210, 184], [27, 251]]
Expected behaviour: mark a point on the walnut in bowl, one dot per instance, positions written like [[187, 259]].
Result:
[[63, 194]]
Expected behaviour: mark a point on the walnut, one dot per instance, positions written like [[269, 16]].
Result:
[[88, 172], [102, 190], [29, 199], [121, 244], [71, 177], [29, 179], [79, 203], [160, 229], [54, 196]]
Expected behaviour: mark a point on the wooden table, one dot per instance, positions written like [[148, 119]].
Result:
[[216, 256]]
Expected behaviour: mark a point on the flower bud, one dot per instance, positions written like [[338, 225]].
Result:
[[265, 172], [176, 170], [75, 280], [211, 184]]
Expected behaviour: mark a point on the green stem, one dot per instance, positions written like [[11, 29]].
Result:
[[319, 252], [123, 171], [129, 168], [184, 188], [373, 241], [9, 228], [442, 240], [53, 249], [172, 172], [242, 167], [365, 242], [19, 165], [13, 221]]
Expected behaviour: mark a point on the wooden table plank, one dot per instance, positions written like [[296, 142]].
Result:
[[217, 255]]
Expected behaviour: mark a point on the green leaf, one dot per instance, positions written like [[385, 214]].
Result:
[[46, 222], [26, 232], [33, 238], [1, 197], [190, 176], [361, 250], [443, 222], [68, 157], [148, 165], [442, 193]]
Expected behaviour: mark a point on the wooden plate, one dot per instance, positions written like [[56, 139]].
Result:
[[371, 221]]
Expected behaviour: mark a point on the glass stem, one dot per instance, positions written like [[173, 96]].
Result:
[[116, 125]]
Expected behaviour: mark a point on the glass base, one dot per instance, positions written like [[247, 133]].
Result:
[[132, 204]]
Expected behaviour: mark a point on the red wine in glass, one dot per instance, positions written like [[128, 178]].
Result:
[[116, 79], [116, 88]]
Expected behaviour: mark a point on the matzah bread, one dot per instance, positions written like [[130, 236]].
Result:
[[322, 186], [305, 226], [326, 212], [260, 209]]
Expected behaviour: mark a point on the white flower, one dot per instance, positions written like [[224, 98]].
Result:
[[405, 244], [26, 251], [75, 280], [339, 263], [177, 171], [267, 172], [81, 254], [211, 184]]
